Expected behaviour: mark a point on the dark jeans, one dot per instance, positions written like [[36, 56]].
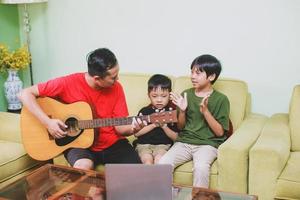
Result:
[[119, 152]]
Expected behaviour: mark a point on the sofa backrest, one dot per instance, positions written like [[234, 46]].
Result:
[[294, 118], [135, 88]]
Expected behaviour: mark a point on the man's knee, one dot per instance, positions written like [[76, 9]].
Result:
[[84, 163]]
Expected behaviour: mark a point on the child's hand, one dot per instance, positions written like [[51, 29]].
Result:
[[178, 100], [158, 124], [204, 103], [165, 125], [161, 125]]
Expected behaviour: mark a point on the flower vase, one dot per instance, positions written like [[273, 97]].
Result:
[[12, 86]]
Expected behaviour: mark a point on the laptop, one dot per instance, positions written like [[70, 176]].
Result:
[[138, 182]]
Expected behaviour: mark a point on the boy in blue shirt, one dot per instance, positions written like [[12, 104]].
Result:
[[203, 117]]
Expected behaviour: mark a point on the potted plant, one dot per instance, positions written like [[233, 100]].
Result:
[[12, 62]]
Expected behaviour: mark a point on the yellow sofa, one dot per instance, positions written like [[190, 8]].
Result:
[[13, 158], [230, 171], [274, 170]]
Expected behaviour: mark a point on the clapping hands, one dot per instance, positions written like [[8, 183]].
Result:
[[180, 101], [204, 103]]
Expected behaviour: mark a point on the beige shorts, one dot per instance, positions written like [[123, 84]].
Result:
[[152, 149]]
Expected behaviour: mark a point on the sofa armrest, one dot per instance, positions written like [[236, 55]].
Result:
[[233, 154], [269, 155], [10, 127]]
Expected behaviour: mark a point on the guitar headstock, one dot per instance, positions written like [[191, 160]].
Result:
[[164, 117]]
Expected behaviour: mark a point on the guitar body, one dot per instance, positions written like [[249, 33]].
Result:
[[38, 142], [40, 145]]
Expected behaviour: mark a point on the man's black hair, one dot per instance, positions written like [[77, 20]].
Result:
[[100, 61]]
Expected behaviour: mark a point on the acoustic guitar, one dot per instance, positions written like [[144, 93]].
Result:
[[40, 145]]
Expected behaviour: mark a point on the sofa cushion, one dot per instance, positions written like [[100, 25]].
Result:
[[9, 128], [288, 184], [13, 160], [183, 174], [188, 166], [294, 119]]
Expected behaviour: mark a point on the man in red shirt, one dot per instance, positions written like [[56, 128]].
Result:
[[101, 90]]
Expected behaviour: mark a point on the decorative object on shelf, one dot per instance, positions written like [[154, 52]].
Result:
[[26, 23], [12, 86], [11, 62]]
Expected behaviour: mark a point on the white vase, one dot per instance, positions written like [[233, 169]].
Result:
[[12, 86]]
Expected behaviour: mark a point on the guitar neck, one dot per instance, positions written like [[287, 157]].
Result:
[[96, 123]]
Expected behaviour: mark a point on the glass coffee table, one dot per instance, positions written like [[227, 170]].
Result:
[[57, 182], [189, 193], [61, 183]]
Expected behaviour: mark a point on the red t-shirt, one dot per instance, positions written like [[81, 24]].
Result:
[[105, 103]]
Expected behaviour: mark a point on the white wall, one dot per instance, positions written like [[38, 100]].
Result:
[[257, 41]]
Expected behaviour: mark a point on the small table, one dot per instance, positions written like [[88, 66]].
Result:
[[57, 182], [189, 193]]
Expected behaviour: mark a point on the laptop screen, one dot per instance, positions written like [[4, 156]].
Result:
[[138, 182]]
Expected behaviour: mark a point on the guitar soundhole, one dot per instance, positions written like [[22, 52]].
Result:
[[72, 124], [73, 132]]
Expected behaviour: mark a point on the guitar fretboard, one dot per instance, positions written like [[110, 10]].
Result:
[[95, 123]]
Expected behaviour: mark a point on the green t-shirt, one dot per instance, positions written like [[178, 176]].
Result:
[[196, 130]]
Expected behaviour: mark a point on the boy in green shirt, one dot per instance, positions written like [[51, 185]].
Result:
[[203, 119]]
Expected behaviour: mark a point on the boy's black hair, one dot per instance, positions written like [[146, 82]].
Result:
[[159, 80], [208, 63], [100, 61]]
